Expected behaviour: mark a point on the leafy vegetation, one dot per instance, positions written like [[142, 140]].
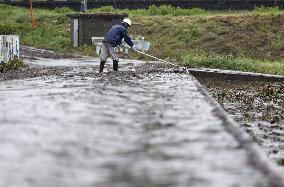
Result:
[[239, 40], [266, 10], [14, 64]]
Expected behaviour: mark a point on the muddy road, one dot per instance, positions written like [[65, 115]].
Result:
[[63, 124]]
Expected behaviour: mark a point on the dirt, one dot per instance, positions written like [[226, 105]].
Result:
[[30, 53], [34, 54], [148, 124], [258, 106], [256, 103]]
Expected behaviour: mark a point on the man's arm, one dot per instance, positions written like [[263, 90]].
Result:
[[127, 39]]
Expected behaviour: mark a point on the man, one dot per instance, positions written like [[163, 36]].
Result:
[[112, 39]]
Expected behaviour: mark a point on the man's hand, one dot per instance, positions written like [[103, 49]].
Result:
[[133, 48], [121, 46]]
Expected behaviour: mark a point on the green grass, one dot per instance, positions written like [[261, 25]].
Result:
[[154, 10], [169, 10], [51, 32], [234, 63], [237, 40]]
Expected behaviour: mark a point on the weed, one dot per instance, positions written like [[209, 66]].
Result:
[[63, 10], [13, 64], [266, 10], [7, 29]]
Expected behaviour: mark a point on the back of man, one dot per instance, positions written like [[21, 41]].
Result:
[[115, 35], [113, 39]]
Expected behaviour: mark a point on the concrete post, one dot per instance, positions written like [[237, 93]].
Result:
[[9, 47]]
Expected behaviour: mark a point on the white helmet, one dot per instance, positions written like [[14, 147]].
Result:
[[127, 21]]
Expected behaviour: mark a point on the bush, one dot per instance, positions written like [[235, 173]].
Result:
[[266, 10], [14, 64], [153, 10], [105, 9], [63, 41], [170, 10], [63, 10]]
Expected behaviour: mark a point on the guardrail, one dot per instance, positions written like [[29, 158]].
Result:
[[139, 44]]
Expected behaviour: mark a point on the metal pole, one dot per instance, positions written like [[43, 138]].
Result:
[[31, 13]]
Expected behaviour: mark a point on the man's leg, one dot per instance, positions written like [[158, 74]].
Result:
[[115, 65], [104, 54], [114, 57], [102, 65]]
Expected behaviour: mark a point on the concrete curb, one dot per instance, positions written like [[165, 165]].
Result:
[[256, 156], [234, 74]]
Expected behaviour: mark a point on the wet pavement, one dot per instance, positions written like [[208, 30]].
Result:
[[147, 125]]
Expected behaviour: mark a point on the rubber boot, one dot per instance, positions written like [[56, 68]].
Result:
[[102, 64], [115, 65]]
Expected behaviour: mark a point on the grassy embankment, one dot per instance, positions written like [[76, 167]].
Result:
[[238, 40]]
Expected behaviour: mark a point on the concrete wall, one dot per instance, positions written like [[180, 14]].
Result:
[[94, 25]]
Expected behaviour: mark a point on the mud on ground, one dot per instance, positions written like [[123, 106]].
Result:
[[146, 125], [30, 53], [258, 106]]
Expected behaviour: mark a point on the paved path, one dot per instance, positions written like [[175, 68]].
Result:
[[123, 129]]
